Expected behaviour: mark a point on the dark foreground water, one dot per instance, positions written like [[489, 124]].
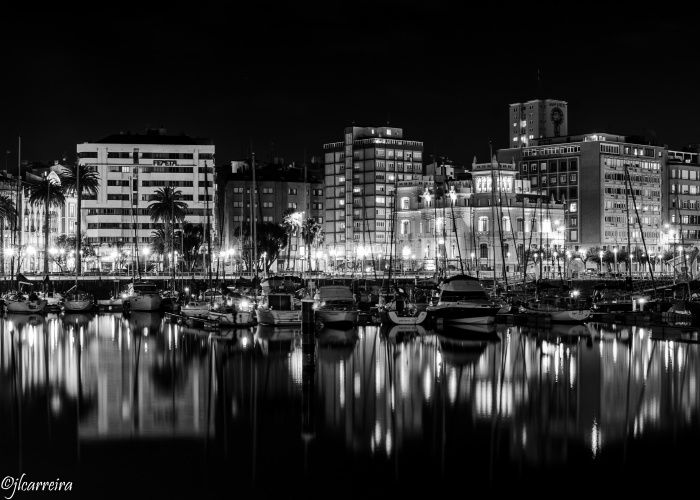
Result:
[[139, 408]]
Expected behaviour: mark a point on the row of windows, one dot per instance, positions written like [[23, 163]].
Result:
[[546, 151], [622, 235], [122, 225], [692, 175], [635, 178], [647, 193], [139, 211], [623, 162], [562, 179], [124, 169], [686, 219], [565, 164], [685, 189]]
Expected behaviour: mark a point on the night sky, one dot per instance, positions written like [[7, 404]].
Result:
[[286, 80]]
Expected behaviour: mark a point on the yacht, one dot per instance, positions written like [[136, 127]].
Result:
[[463, 300], [336, 304], [279, 309], [143, 296]]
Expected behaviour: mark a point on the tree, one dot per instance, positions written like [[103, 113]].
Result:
[[86, 179], [60, 251], [158, 244], [192, 241], [291, 222], [8, 212], [46, 191], [271, 239], [311, 234], [166, 207]]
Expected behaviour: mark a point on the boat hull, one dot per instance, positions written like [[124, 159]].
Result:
[[145, 302], [26, 306], [77, 305], [238, 318], [277, 317], [562, 315], [110, 304], [331, 316], [393, 318], [465, 314]]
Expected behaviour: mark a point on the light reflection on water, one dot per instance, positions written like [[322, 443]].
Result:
[[262, 399]]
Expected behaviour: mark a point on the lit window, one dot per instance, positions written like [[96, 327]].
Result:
[[573, 207]]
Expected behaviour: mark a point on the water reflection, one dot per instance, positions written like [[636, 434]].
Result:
[[386, 404]]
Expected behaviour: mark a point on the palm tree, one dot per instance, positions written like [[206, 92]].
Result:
[[311, 233], [167, 208], [158, 246], [291, 221], [46, 191], [87, 180], [7, 212]]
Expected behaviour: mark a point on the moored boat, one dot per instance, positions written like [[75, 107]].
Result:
[[463, 300], [278, 309], [336, 304], [143, 296], [559, 309], [22, 304], [77, 301]]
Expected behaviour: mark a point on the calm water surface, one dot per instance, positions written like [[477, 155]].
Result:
[[136, 406]]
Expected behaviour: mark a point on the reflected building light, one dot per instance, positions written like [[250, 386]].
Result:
[[388, 443], [595, 439], [523, 439], [404, 381], [295, 361], [145, 347], [614, 349], [378, 381], [377, 432], [357, 385], [452, 385], [679, 358], [427, 384], [341, 383], [600, 347], [572, 372]]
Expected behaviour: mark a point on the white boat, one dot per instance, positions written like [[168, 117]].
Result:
[[195, 308], [561, 310], [21, 304], [143, 296], [78, 301], [464, 301], [231, 317], [336, 304], [278, 309]]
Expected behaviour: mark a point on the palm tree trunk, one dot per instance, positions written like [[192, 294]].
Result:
[[46, 239], [172, 239], [78, 237]]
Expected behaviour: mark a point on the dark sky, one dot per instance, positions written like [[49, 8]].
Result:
[[289, 79]]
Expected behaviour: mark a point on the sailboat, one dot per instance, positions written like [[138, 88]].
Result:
[[23, 303]]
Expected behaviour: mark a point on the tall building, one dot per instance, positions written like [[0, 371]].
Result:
[[681, 230], [361, 173], [279, 190], [131, 168], [537, 119], [587, 174]]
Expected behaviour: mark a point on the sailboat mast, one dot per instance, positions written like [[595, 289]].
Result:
[[493, 217], [254, 241], [206, 201], [77, 236], [454, 232], [629, 244], [641, 231]]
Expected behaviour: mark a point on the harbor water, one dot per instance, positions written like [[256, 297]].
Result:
[[135, 407]]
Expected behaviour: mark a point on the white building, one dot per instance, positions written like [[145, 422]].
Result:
[[131, 168]]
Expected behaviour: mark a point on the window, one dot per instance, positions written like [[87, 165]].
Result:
[[484, 251], [405, 203], [291, 204], [405, 226], [267, 204], [267, 218], [381, 200], [506, 224], [294, 190], [267, 190], [71, 210], [483, 223], [573, 207]]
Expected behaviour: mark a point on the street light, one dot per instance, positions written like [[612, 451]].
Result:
[[615, 255], [600, 257]]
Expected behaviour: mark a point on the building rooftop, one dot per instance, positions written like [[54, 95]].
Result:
[[153, 136]]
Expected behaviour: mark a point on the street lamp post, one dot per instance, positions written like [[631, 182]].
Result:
[[600, 258], [615, 256]]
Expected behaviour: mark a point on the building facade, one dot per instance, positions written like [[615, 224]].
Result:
[[588, 173], [537, 119], [62, 222], [279, 192], [131, 167], [468, 225], [361, 175]]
